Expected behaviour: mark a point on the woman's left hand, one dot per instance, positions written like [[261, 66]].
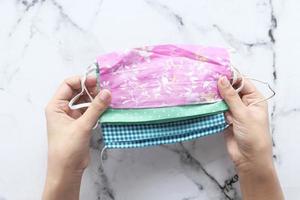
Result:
[[69, 133]]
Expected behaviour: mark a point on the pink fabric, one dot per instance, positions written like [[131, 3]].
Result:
[[163, 75]]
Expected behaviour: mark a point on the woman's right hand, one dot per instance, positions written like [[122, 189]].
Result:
[[248, 139], [249, 142]]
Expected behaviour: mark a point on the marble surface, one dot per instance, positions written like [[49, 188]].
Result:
[[42, 42]]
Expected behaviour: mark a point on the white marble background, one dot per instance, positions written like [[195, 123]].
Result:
[[42, 42]]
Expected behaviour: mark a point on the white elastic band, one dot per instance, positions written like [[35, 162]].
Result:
[[241, 85], [72, 102], [101, 155], [270, 88], [236, 76]]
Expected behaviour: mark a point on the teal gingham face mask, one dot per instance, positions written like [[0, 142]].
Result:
[[143, 135], [132, 128]]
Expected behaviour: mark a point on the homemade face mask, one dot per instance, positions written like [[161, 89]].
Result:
[[162, 94], [149, 134], [164, 75]]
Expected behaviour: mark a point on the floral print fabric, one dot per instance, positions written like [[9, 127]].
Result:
[[163, 75]]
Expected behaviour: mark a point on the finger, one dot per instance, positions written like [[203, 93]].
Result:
[[228, 118], [97, 107], [231, 97], [93, 91], [91, 81], [75, 114], [85, 98], [70, 85], [67, 88], [249, 88], [249, 93]]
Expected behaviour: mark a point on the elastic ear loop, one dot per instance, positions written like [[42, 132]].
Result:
[[270, 88], [235, 77], [101, 156], [236, 74], [72, 102]]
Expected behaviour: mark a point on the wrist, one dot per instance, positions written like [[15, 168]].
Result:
[[62, 184], [255, 166], [260, 182], [257, 170]]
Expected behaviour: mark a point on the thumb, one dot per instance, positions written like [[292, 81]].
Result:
[[231, 97], [97, 107]]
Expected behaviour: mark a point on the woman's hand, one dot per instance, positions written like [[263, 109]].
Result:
[[69, 133], [248, 141]]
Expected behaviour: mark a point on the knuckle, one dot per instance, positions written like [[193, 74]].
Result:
[[67, 80], [62, 106]]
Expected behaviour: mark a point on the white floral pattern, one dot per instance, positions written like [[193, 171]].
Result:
[[163, 75]]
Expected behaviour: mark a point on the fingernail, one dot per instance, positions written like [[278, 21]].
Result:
[[104, 95], [224, 81]]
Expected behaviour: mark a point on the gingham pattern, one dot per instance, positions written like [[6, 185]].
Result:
[[142, 135]]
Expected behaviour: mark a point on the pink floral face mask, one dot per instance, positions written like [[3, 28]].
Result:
[[164, 75]]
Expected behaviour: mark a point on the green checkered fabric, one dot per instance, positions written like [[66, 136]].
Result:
[[143, 135]]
